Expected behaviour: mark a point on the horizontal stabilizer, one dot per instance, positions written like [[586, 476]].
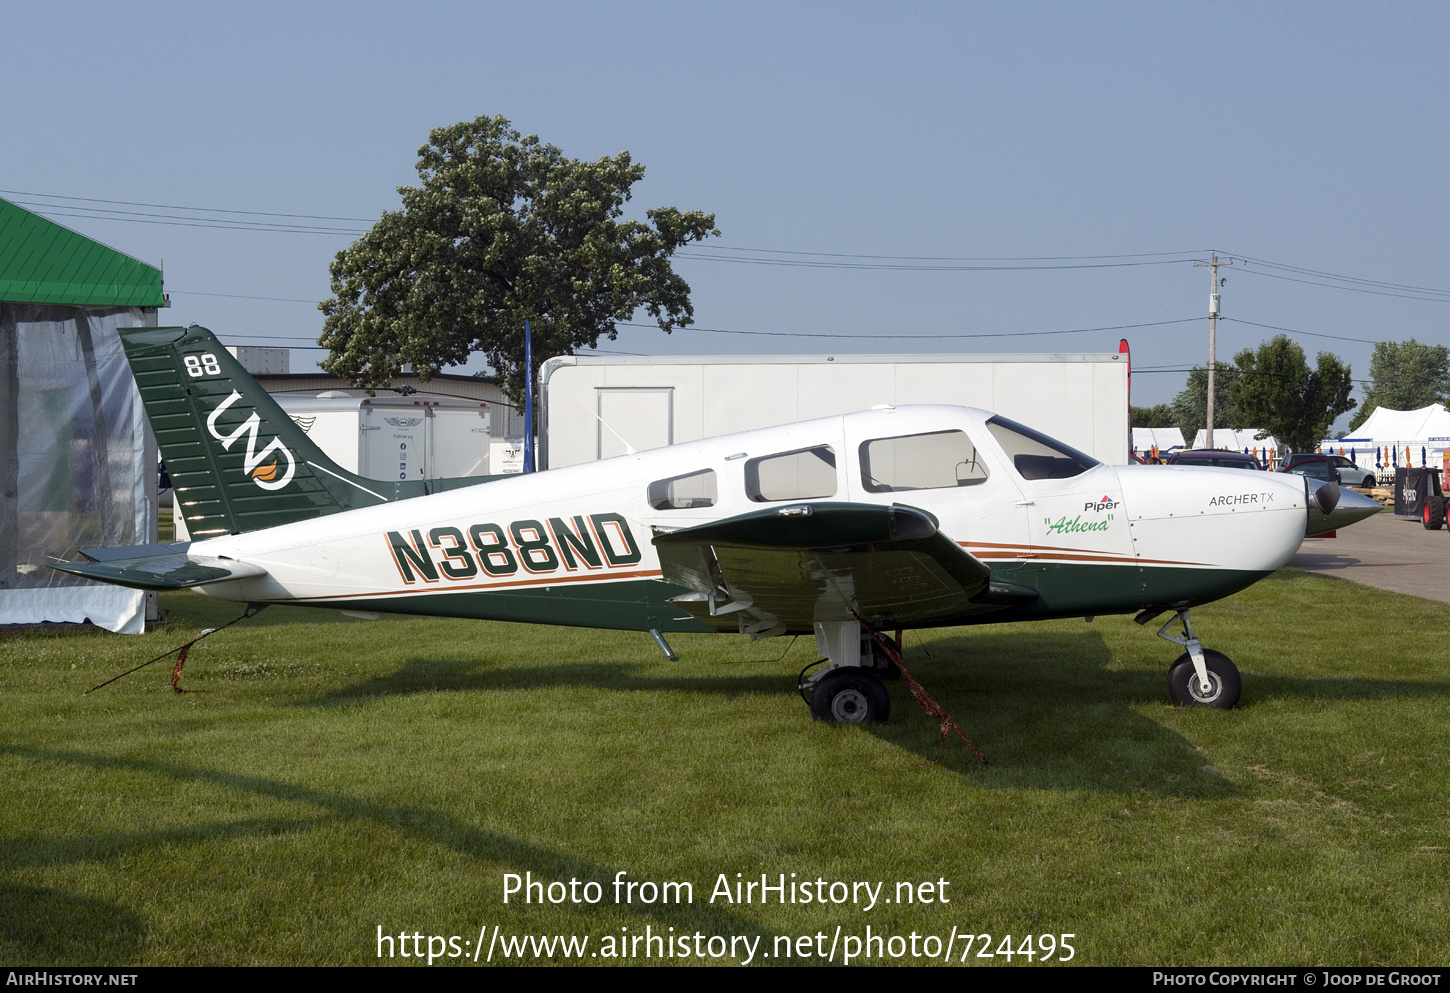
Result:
[[157, 567]]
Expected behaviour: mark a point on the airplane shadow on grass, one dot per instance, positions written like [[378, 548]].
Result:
[[44, 926], [1046, 708], [39, 925]]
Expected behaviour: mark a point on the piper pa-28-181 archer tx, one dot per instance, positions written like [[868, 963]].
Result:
[[841, 527]]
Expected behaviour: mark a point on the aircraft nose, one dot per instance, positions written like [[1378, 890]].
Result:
[[1222, 519], [1332, 508]]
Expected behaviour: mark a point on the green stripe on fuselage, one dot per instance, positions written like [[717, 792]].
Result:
[[629, 605], [1073, 589], [1067, 590]]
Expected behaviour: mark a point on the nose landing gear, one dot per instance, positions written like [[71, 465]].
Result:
[[1200, 677]]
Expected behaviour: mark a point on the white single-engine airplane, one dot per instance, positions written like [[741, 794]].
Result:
[[845, 526]]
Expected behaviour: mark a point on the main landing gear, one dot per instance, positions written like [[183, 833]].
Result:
[[850, 696], [849, 690], [1200, 677]]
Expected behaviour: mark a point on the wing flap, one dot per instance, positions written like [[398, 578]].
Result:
[[797, 565]]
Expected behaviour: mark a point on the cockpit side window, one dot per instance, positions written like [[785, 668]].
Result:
[[688, 492], [807, 474], [1036, 456], [932, 461]]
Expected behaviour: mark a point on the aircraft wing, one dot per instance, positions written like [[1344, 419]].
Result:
[[157, 567], [780, 570]]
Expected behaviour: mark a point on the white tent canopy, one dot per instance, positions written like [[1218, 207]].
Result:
[[1164, 438], [1236, 440], [1428, 426]]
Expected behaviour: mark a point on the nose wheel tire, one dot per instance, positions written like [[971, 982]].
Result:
[[1225, 684], [850, 696]]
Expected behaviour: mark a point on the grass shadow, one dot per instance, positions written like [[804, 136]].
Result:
[[40, 925], [437, 675], [424, 824]]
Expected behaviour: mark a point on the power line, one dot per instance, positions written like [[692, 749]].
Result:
[[697, 256], [190, 216], [947, 258], [240, 296], [168, 206], [879, 337], [1348, 289], [47, 210], [219, 224], [1349, 279], [783, 334], [1312, 334]]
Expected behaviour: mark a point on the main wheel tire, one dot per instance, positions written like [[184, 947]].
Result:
[[850, 696], [1225, 684]]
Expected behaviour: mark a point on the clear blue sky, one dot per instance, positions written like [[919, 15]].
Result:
[[1305, 134]]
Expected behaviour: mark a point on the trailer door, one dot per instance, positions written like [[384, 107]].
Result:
[[642, 417]]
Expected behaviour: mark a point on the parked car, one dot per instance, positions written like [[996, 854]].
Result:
[[1334, 467], [1214, 456]]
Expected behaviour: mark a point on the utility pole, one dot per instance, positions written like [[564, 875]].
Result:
[[1212, 319]]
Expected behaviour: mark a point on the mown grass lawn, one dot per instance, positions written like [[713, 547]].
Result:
[[329, 776]]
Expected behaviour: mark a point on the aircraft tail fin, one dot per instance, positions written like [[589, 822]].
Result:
[[237, 461]]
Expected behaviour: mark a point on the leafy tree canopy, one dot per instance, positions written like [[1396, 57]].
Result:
[[1407, 376], [1159, 416], [502, 229], [1190, 408], [1278, 393]]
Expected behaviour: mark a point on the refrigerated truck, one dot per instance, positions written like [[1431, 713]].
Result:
[[592, 407]]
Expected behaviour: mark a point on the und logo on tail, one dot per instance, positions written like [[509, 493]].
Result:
[[264, 476]]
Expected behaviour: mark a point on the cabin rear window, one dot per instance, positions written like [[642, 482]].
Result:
[[1036, 456], [688, 492], [807, 474], [932, 461]]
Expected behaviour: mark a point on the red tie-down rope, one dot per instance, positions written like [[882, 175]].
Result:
[[253, 609], [932, 708]]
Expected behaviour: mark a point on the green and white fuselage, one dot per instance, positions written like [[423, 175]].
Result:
[[575, 545], [887, 518]]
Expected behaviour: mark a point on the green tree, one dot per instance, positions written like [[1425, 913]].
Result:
[[1407, 376], [1158, 416], [502, 229], [1190, 407], [1278, 393]]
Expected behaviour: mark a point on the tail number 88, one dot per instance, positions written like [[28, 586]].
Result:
[[202, 365]]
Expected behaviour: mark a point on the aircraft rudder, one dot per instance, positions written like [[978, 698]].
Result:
[[237, 461]]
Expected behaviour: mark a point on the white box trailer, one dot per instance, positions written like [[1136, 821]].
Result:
[[390, 438], [593, 405], [396, 437], [393, 437]]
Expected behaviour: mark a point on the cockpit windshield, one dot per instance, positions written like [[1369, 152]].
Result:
[[1034, 454]]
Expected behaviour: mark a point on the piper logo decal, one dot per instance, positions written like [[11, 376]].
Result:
[[1098, 506], [265, 476]]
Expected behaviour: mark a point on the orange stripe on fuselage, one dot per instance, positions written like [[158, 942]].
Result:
[[1005, 551], [494, 587]]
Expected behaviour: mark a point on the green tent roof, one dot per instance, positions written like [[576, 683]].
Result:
[[43, 262]]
